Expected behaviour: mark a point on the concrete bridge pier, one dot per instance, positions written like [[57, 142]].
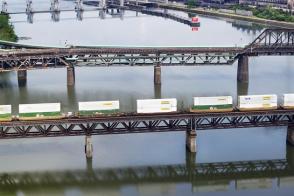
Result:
[[243, 69], [157, 74], [157, 91], [88, 147], [70, 75], [22, 77], [4, 6], [191, 140], [122, 3], [242, 88], [29, 8], [290, 134]]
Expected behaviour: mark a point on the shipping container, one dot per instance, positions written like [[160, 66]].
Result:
[[288, 101], [5, 113], [98, 107], [156, 105], [39, 111], [257, 102], [212, 104]]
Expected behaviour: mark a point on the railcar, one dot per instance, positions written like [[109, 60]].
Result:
[[40, 111], [257, 102], [5, 113], [288, 101], [98, 108]]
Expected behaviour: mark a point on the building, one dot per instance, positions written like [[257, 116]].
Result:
[[275, 3]]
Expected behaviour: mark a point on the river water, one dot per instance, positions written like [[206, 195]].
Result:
[[272, 75]]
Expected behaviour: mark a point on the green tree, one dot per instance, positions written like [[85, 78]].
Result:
[[191, 3]]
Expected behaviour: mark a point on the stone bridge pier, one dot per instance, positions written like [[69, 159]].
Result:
[[243, 69]]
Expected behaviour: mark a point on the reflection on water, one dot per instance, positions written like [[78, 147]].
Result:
[[201, 178]]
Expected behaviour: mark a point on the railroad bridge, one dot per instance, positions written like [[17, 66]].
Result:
[[148, 123], [269, 42]]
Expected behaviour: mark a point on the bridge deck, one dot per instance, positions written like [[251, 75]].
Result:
[[135, 123]]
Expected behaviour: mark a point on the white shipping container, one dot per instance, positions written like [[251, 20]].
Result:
[[5, 109], [257, 101], [288, 100], [39, 107], [219, 100], [98, 105], [156, 105]]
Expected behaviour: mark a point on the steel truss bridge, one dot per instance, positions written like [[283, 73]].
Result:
[[269, 42], [193, 173], [135, 123]]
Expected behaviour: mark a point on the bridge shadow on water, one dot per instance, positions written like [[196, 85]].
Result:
[[202, 177]]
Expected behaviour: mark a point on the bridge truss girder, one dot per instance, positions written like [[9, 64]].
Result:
[[118, 59], [144, 123]]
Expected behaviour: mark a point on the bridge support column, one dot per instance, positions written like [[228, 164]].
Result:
[[22, 77], [157, 74], [290, 134], [242, 88], [122, 3], [88, 147], [243, 69], [70, 76], [157, 91], [191, 140]]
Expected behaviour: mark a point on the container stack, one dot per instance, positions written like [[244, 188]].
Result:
[[288, 101], [257, 102], [39, 111], [98, 108], [156, 105], [212, 104], [5, 113]]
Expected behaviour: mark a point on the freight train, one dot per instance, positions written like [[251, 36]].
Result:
[[49, 111]]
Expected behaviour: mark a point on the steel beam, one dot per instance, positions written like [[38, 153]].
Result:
[[135, 123]]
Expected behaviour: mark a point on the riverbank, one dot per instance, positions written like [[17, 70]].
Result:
[[228, 15], [6, 30]]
